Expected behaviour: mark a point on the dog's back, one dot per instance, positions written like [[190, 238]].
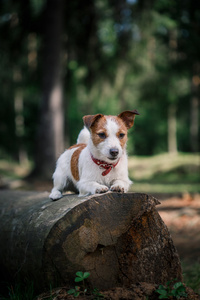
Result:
[[83, 136]]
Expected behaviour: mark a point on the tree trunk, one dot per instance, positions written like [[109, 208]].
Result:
[[194, 110], [19, 116], [50, 141], [119, 238], [172, 141]]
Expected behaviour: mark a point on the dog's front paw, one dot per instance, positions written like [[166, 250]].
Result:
[[117, 188], [55, 195], [102, 189]]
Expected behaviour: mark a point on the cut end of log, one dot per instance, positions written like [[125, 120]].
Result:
[[119, 238]]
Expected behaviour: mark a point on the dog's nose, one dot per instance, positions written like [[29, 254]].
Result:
[[114, 152]]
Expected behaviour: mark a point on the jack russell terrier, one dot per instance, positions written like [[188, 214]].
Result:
[[98, 162]]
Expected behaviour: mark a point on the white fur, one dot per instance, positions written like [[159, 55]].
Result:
[[102, 150], [91, 179], [83, 136]]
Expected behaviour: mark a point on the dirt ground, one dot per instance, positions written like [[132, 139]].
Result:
[[142, 291], [182, 217]]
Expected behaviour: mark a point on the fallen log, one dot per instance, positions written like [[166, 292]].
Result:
[[119, 238]]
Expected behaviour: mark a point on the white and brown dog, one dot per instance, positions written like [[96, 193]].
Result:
[[98, 162]]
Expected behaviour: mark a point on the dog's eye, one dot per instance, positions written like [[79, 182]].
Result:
[[121, 135], [102, 135]]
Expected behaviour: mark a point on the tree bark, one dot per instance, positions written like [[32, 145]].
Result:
[[172, 140], [119, 238], [19, 117], [194, 109], [172, 128], [50, 140]]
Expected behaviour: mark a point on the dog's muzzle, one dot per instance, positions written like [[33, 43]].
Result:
[[114, 152]]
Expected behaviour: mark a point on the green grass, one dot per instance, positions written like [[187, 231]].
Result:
[[191, 275], [19, 292], [12, 170], [141, 187], [165, 173]]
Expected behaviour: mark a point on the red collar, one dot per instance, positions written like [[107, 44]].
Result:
[[104, 165]]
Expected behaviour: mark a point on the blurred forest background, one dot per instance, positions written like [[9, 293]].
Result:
[[60, 60]]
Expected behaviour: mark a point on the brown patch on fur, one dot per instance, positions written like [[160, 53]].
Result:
[[122, 140], [122, 129], [98, 127], [76, 146], [90, 120], [128, 117], [74, 160]]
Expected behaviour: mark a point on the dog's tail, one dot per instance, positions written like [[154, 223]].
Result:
[[83, 136]]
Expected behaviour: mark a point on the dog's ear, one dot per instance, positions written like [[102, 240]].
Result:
[[128, 117], [89, 120]]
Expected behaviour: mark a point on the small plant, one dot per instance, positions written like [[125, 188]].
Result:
[[77, 290], [80, 277], [177, 290], [97, 294]]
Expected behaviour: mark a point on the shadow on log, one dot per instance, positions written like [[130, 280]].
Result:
[[119, 238]]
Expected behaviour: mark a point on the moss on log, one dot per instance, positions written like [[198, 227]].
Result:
[[119, 238]]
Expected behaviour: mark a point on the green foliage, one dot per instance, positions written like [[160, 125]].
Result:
[[75, 292], [80, 276], [20, 291], [78, 290], [97, 294], [117, 56], [177, 290], [191, 273]]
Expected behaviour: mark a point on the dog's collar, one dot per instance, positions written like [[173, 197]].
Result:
[[104, 165]]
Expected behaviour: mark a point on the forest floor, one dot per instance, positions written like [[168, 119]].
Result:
[[174, 181], [181, 214]]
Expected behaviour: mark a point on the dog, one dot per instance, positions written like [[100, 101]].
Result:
[[98, 162]]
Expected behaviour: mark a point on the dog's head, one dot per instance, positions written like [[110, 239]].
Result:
[[109, 134]]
